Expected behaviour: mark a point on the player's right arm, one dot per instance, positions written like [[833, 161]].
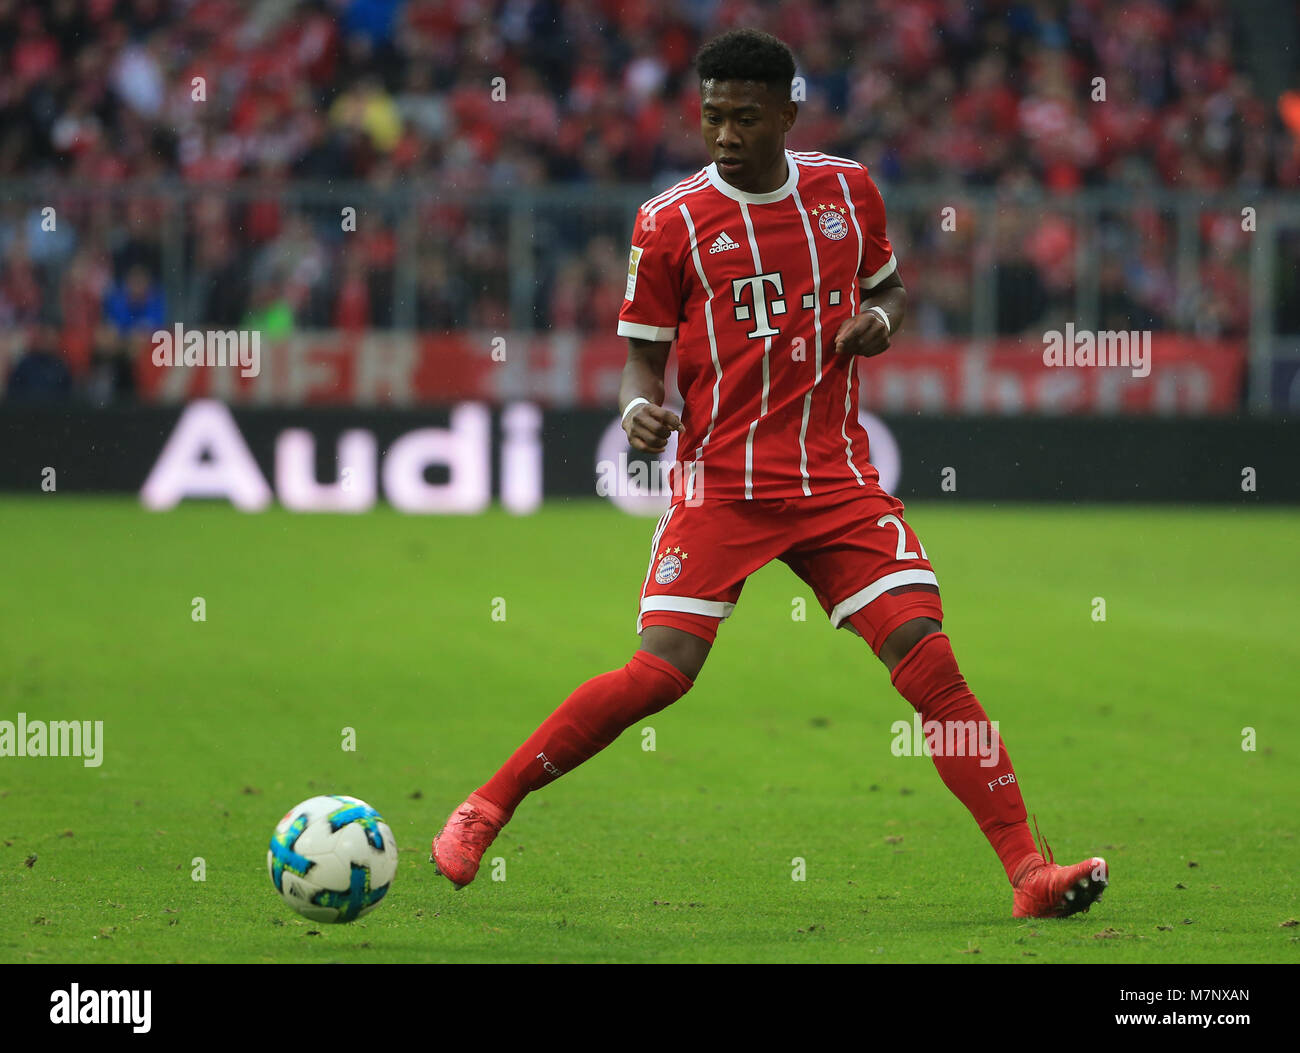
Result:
[[649, 316], [647, 423]]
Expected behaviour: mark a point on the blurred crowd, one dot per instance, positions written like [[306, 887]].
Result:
[[466, 99]]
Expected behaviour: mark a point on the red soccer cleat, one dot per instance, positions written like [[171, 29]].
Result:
[[1045, 890], [459, 848]]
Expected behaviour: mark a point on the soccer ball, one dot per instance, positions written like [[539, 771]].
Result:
[[332, 858]]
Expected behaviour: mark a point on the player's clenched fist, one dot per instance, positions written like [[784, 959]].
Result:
[[864, 334], [648, 427]]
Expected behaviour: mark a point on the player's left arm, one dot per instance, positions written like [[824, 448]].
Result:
[[867, 333], [883, 299]]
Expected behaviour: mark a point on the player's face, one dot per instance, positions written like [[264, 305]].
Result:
[[744, 125]]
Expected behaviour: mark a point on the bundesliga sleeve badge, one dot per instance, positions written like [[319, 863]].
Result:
[[632, 262]]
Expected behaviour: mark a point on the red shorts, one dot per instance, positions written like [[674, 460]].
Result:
[[863, 562]]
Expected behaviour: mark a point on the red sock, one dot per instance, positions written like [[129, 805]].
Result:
[[587, 721], [928, 678]]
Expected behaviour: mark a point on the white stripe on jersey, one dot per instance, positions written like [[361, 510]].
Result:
[[818, 159], [823, 153], [853, 310], [817, 331], [767, 377], [660, 527], [713, 342], [825, 164], [813, 159], [844, 428], [881, 274], [670, 195], [853, 216], [657, 200]]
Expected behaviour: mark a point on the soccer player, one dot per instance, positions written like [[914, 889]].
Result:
[[772, 271]]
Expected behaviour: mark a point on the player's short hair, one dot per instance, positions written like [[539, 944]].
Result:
[[748, 54]]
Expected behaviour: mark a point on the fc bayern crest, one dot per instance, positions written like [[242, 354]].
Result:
[[669, 566], [831, 221], [832, 225]]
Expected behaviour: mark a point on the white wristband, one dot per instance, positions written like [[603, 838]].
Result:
[[633, 405], [883, 317]]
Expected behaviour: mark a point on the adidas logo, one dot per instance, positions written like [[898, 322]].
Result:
[[722, 244]]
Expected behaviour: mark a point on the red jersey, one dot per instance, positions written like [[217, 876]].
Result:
[[754, 287]]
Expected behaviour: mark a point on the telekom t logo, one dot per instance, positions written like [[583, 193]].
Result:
[[761, 303]]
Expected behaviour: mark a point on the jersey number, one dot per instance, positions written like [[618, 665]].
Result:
[[902, 552]]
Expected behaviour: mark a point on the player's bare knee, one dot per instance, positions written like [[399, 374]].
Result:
[[684, 651], [899, 642]]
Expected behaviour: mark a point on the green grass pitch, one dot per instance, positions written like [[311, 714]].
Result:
[[1127, 735]]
